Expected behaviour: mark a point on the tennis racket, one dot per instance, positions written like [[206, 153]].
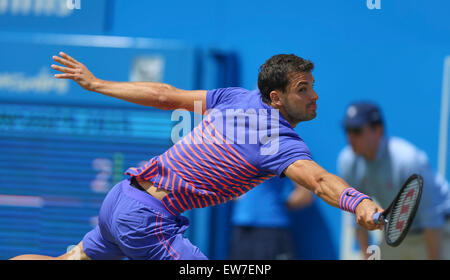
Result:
[[401, 212]]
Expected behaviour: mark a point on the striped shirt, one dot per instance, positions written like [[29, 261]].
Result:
[[240, 143]]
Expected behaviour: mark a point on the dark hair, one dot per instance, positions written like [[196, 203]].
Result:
[[274, 73]]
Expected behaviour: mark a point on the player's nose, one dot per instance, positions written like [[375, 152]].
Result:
[[315, 96]]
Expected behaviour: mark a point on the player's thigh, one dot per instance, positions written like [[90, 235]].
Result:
[[185, 249], [149, 235], [76, 253]]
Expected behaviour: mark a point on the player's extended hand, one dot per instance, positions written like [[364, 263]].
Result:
[[74, 70], [364, 212]]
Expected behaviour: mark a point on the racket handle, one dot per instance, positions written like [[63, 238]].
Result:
[[377, 218]]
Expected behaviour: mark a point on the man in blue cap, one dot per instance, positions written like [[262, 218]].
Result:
[[378, 165]]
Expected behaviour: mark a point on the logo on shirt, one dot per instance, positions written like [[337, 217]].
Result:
[[232, 126]]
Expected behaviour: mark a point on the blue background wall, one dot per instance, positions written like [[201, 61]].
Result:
[[393, 56]]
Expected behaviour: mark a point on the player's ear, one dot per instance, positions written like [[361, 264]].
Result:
[[275, 98]]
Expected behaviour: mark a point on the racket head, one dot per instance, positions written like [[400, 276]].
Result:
[[403, 210]]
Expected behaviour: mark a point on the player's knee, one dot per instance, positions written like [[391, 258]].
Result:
[[76, 253]]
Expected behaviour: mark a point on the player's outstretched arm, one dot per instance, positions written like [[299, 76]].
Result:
[[329, 187], [158, 95]]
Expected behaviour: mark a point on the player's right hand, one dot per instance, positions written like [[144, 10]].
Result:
[[364, 213], [74, 70]]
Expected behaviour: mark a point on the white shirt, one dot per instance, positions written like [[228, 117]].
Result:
[[381, 178]]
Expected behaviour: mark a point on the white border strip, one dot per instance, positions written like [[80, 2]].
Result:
[[443, 131]]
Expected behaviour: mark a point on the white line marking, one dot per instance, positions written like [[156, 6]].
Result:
[[443, 131]]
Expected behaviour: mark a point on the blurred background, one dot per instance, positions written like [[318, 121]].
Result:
[[62, 148]]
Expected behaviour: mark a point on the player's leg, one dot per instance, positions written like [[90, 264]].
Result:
[[145, 230], [98, 243], [32, 257], [156, 237], [76, 253], [181, 244], [96, 246]]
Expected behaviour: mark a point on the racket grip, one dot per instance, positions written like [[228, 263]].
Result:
[[376, 218]]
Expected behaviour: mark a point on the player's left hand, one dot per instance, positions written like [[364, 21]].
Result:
[[364, 212], [74, 70]]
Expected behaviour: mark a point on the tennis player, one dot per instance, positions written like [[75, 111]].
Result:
[[246, 137]]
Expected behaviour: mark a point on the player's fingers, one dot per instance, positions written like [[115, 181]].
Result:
[[63, 69], [68, 57], [63, 61], [374, 226], [64, 76], [367, 223]]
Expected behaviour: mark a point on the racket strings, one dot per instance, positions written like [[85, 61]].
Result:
[[400, 217]]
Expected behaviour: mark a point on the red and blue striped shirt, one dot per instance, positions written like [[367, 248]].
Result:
[[240, 143]]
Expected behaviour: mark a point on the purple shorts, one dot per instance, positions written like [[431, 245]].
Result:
[[135, 225]]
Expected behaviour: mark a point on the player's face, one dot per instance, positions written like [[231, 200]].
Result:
[[364, 141], [299, 98]]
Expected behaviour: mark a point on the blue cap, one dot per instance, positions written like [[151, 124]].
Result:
[[358, 114]]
